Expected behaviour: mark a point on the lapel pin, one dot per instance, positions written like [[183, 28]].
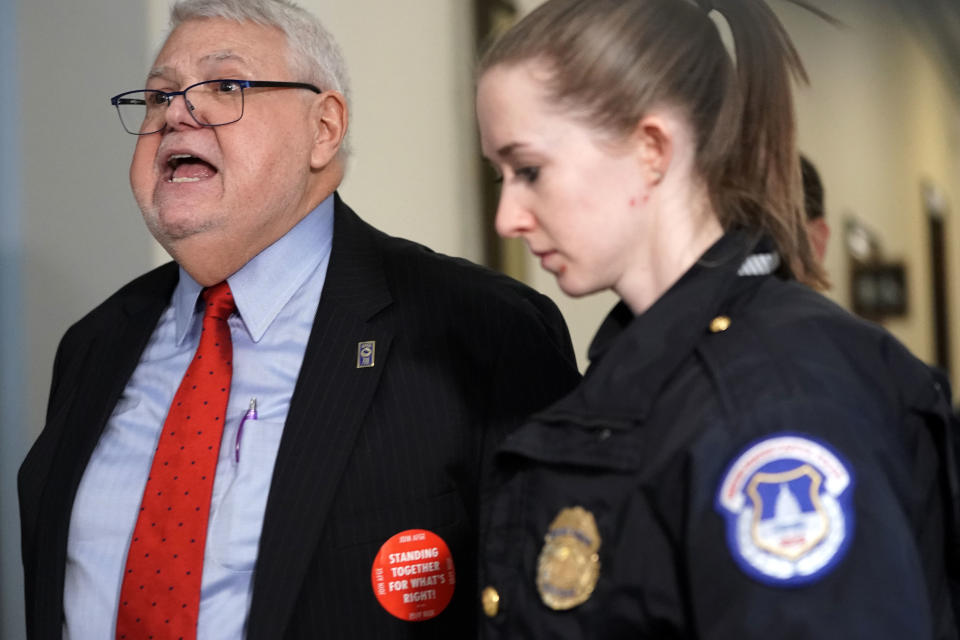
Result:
[[365, 353]]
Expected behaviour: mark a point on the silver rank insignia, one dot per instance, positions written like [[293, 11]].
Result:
[[365, 353], [569, 565]]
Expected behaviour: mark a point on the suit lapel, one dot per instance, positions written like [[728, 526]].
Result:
[[329, 403], [110, 360]]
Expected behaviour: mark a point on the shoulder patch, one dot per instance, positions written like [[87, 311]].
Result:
[[787, 503]]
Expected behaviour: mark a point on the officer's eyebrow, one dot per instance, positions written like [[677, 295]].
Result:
[[510, 149]]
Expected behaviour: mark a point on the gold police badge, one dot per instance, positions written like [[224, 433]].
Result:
[[569, 565]]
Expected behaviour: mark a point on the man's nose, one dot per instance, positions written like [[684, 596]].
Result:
[[178, 113]]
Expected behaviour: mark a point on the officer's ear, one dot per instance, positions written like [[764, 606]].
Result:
[[653, 140]]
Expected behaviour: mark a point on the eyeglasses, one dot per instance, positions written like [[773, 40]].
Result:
[[211, 103]]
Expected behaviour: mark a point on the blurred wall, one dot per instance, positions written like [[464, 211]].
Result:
[[77, 233], [13, 436], [879, 119], [413, 170]]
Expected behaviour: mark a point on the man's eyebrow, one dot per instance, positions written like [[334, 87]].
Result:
[[210, 58], [158, 72], [220, 56]]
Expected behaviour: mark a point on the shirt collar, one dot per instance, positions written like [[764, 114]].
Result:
[[263, 286]]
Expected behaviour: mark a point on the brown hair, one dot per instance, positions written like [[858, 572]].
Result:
[[611, 61]]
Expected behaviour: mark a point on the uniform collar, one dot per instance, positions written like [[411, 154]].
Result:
[[632, 357]]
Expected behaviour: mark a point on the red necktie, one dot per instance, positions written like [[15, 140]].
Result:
[[160, 597]]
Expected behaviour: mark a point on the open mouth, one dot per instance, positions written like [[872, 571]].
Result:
[[183, 167]]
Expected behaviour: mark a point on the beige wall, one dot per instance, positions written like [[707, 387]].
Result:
[[414, 165]]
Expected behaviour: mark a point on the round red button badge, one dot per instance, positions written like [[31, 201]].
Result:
[[413, 575]]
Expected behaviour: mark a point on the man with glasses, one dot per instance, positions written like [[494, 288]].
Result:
[[282, 433]]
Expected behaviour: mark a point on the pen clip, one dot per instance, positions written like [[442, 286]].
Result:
[[251, 414]]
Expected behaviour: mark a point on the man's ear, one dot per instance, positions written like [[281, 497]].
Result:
[[653, 138], [329, 115]]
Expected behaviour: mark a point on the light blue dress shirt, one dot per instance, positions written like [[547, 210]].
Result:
[[277, 294]]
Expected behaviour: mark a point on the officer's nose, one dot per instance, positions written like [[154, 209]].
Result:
[[513, 217]]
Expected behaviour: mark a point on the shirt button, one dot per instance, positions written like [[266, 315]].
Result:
[[491, 602]]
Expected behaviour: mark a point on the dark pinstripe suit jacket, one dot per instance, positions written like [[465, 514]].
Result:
[[462, 355]]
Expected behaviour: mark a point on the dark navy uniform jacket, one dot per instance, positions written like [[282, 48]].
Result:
[[784, 471]]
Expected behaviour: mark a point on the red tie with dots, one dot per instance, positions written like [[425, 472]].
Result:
[[160, 597]]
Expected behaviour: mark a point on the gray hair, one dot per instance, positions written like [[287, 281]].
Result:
[[313, 51]]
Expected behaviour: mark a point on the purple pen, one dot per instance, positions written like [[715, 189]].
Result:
[[251, 414]]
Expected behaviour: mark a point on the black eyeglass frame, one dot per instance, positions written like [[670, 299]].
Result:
[[117, 100]]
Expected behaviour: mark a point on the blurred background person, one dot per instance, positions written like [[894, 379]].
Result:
[[813, 203]]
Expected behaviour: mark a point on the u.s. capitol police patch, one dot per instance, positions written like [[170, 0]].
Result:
[[787, 503]]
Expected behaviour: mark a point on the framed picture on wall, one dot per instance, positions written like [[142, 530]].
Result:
[[879, 290], [878, 286]]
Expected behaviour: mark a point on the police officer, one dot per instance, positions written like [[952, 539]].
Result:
[[743, 458]]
